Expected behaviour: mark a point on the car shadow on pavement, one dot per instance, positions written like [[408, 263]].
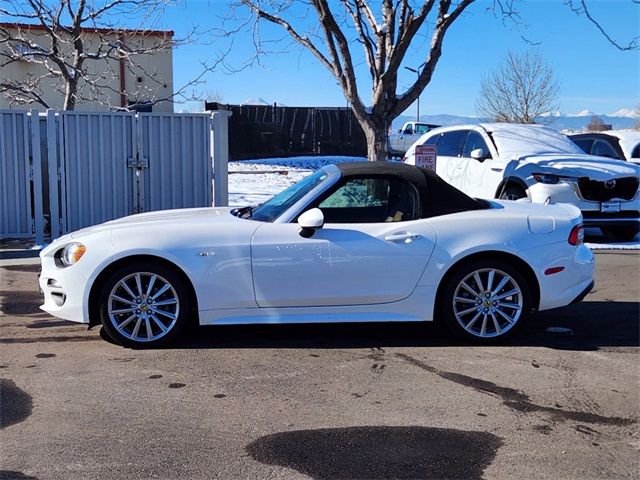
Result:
[[584, 326], [376, 452]]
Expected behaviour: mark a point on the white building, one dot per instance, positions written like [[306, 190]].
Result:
[[141, 79]]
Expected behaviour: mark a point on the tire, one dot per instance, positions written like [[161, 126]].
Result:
[[481, 313], [622, 233], [144, 305], [513, 193]]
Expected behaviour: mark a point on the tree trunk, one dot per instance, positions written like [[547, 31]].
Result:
[[376, 131], [70, 94]]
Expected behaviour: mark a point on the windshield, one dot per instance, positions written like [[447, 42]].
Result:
[[275, 206]]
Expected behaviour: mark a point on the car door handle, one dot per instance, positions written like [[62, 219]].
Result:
[[404, 237]]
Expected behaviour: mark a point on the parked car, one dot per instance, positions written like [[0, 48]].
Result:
[[509, 161], [620, 144], [358, 242], [399, 143]]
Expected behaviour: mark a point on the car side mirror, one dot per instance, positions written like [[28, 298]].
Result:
[[408, 131], [478, 154], [310, 221]]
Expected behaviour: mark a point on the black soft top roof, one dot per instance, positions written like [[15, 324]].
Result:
[[437, 196]]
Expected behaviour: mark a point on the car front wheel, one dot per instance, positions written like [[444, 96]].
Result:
[[513, 193], [486, 301], [144, 305]]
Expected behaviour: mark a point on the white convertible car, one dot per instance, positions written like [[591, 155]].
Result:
[[357, 242]]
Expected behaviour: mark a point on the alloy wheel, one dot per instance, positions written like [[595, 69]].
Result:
[[143, 307], [487, 303]]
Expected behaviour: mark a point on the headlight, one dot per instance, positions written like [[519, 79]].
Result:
[[71, 254], [546, 178]]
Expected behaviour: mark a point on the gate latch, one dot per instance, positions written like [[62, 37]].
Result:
[[137, 162]]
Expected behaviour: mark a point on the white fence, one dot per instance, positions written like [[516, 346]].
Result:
[[61, 171]]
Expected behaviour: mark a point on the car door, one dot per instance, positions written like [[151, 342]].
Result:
[[449, 166], [480, 177], [369, 251]]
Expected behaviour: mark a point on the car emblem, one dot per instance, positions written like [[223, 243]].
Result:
[[609, 184]]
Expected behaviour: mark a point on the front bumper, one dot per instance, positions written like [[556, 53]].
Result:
[[594, 213], [63, 292]]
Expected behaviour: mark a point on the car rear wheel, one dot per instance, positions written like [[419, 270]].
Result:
[[144, 305], [486, 301], [620, 233]]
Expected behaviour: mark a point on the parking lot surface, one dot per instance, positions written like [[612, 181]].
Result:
[[562, 400]]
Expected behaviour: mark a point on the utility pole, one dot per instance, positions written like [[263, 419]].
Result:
[[417, 71]]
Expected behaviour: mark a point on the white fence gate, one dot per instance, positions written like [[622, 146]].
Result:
[[97, 166]]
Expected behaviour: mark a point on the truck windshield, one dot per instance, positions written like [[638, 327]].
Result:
[[277, 205]]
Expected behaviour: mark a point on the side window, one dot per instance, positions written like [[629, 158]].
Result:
[[584, 143], [359, 193], [636, 152], [450, 145], [371, 200], [422, 128], [475, 141], [603, 149], [433, 140]]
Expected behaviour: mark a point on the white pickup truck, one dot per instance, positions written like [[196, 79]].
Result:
[[399, 143]]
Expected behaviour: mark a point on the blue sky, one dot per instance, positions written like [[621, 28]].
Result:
[[593, 74]]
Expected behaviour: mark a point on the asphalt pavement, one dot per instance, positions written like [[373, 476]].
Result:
[[365, 401]]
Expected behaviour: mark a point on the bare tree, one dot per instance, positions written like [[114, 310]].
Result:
[[81, 49], [596, 124], [520, 91], [385, 37], [343, 34]]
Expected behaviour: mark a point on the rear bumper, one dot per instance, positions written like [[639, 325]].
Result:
[[584, 293], [569, 285]]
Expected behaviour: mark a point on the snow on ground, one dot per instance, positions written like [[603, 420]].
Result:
[[270, 176], [595, 241], [267, 177]]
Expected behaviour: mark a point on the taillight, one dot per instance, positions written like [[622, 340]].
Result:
[[576, 237]]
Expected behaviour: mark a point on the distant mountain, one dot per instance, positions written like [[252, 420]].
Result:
[[583, 113], [256, 101], [626, 112], [557, 113], [563, 122]]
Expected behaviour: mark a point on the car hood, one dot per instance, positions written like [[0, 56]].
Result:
[[176, 218], [163, 224], [596, 168]]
